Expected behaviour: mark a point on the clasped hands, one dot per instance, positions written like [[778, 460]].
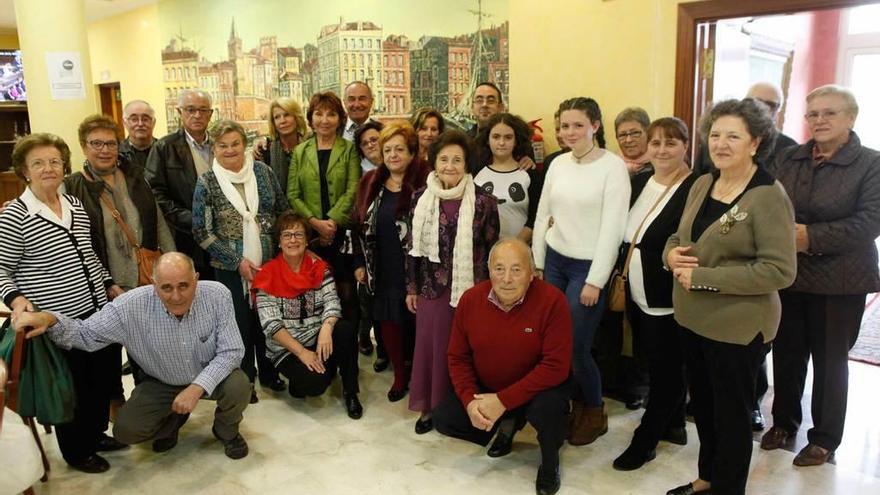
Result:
[[682, 265], [314, 360], [485, 410]]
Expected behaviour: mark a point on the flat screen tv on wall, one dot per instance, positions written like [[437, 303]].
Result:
[[11, 77]]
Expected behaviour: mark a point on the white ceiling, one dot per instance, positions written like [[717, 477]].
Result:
[[95, 10]]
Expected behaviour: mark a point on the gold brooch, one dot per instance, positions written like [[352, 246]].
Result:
[[729, 219]]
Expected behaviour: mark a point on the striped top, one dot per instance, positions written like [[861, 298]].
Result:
[[301, 316], [48, 260]]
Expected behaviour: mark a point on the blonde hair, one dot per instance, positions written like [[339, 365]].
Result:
[[292, 107], [849, 99]]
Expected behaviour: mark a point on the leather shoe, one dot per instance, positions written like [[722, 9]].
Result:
[[502, 445], [396, 395], [92, 464], [547, 482], [365, 347], [812, 455], [757, 420], [424, 426], [687, 490], [775, 438], [276, 384], [633, 458], [236, 448], [634, 402], [677, 435], [380, 365], [254, 398], [109, 444], [353, 406]]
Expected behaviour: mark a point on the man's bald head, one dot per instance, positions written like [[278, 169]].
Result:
[[511, 270], [768, 93], [175, 280]]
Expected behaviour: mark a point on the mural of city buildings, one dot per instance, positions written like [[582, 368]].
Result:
[[404, 74]]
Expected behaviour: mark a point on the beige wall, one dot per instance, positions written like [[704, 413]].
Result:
[[620, 52], [127, 49]]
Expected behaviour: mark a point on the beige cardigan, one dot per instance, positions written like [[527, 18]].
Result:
[[733, 294]]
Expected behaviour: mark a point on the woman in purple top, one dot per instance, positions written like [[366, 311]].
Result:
[[452, 225]]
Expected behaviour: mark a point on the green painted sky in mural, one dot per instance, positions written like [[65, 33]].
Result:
[[205, 23]]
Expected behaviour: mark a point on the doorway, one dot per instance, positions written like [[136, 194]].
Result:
[[111, 103]]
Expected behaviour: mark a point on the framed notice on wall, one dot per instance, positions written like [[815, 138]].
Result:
[[65, 75]]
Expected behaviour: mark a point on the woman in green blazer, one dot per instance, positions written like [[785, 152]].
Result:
[[324, 174]]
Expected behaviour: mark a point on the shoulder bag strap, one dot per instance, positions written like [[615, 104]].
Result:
[[632, 245], [118, 217]]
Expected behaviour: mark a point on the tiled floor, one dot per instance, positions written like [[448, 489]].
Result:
[[312, 447]]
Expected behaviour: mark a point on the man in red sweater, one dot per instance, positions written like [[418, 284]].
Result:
[[509, 361]]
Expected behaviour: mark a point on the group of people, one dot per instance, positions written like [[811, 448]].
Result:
[[483, 275]]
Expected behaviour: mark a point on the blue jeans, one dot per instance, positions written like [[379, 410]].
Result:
[[569, 275]]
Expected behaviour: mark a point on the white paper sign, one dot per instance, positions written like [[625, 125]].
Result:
[[65, 75]]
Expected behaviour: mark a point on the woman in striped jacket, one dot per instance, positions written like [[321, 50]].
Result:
[[47, 260]]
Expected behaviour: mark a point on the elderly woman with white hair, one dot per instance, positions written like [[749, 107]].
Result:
[[834, 184], [235, 205]]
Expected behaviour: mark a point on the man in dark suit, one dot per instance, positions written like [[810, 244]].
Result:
[[175, 163]]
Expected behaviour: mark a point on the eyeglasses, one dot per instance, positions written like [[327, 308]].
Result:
[[288, 235], [772, 105], [39, 165], [623, 136], [134, 119], [98, 145], [824, 114], [370, 142], [197, 110]]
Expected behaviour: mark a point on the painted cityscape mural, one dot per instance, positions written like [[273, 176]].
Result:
[[412, 54]]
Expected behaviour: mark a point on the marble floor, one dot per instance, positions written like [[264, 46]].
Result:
[[312, 447]]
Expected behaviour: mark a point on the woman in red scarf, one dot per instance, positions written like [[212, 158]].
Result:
[[299, 310]]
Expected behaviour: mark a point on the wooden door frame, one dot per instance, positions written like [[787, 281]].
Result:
[[692, 13]]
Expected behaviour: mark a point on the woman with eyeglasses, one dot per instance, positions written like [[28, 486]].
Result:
[[110, 184], [47, 261], [235, 205], [834, 183], [631, 129]]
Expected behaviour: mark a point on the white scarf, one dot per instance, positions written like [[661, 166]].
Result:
[[247, 208], [426, 231]]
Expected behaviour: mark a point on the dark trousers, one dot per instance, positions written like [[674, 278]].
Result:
[[250, 330], [147, 415], [826, 328], [93, 385], [400, 340], [366, 321], [304, 382], [761, 384], [661, 339], [546, 412], [722, 381]]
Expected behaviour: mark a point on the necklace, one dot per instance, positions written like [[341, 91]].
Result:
[[735, 187], [579, 158], [393, 185]]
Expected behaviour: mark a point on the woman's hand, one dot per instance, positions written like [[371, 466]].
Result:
[[19, 305], [360, 274], [411, 302], [683, 275], [326, 228], [325, 342], [526, 163], [114, 291], [539, 274], [678, 259], [311, 360], [801, 238], [248, 270], [590, 295]]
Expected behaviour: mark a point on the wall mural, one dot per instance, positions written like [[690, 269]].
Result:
[[412, 54]]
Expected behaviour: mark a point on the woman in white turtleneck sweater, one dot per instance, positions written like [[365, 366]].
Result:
[[586, 194]]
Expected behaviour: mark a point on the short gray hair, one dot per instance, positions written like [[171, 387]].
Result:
[[852, 107], [135, 102], [516, 242], [633, 114], [194, 91]]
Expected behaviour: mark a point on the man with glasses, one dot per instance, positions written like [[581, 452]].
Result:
[[139, 120], [173, 166], [485, 104]]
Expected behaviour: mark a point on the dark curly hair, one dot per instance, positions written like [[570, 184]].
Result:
[[756, 117], [522, 134], [449, 138], [591, 108]]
